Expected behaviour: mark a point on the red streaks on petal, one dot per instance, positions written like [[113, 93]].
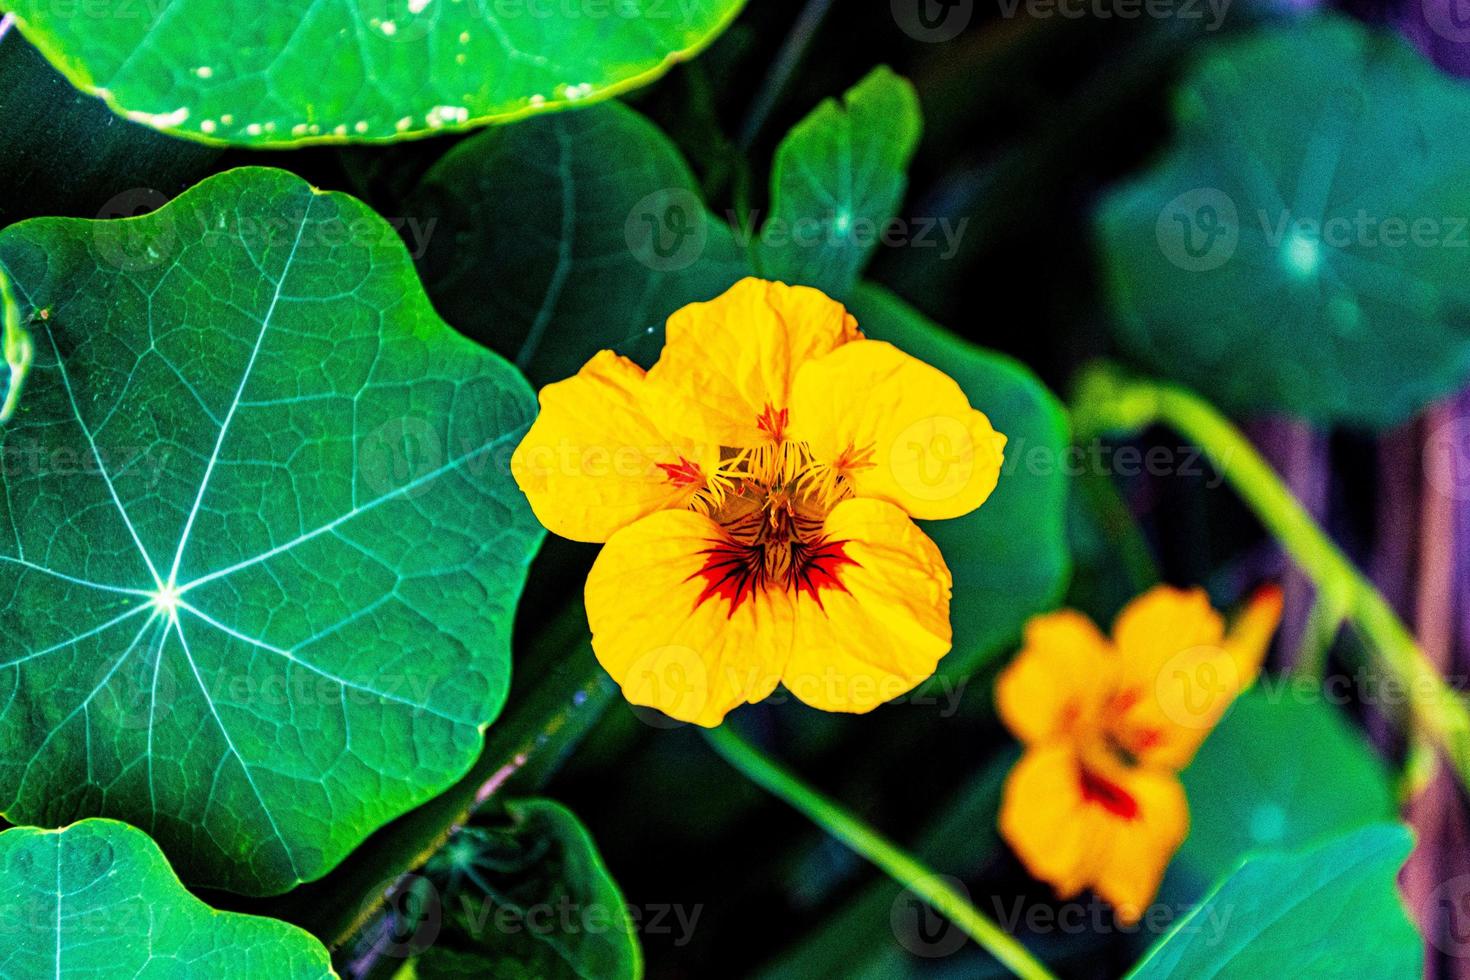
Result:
[[1107, 794], [817, 569], [683, 473], [773, 422], [731, 571]]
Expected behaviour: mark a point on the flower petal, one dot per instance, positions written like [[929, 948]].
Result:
[[599, 457], [1111, 829], [1181, 672], [874, 622], [728, 364], [898, 429], [665, 631], [1058, 680]]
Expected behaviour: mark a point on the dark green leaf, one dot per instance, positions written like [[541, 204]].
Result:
[[1246, 793], [284, 73], [838, 179], [1303, 252], [65, 153], [262, 548], [99, 899], [1010, 558], [1332, 911], [530, 897], [601, 223]]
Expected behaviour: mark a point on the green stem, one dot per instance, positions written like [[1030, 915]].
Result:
[[1109, 402], [850, 830]]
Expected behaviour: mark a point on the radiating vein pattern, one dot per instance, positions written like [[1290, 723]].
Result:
[[259, 548], [98, 900]]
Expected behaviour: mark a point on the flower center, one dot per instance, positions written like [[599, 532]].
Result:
[[771, 502]]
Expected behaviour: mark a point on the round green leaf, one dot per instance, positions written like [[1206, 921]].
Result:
[[838, 178], [532, 898], [1009, 558], [603, 223], [1246, 794], [1305, 252], [261, 546], [278, 74], [1332, 911], [99, 899]]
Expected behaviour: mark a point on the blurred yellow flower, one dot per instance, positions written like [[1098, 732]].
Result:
[[1095, 801], [755, 490]]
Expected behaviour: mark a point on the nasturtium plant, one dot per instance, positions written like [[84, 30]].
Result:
[[1001, 576], [836, 183], [528, 895], [285, 74], [18, 350], [263, 551], [1332, 910], [606, 232], [1247, 795], [98, 898], [1303, 252]]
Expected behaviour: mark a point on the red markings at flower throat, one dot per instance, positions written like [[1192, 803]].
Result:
[[1106, 794], [683, 473], [773, 422], [734, 571]]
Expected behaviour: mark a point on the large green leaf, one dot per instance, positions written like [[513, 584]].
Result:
[[288, 73], [98, 899], [838, 179], [1010, 558], [262, 549], [17, 347], [1361, 315], [1332, 911], [602, 222], [530, 897], [1245, 793]]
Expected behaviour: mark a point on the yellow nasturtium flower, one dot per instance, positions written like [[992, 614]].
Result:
[[756, 491], [1095, 801]]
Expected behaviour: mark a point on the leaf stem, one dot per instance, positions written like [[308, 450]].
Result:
[[1108, 401], [864, 840], [787, 61]]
